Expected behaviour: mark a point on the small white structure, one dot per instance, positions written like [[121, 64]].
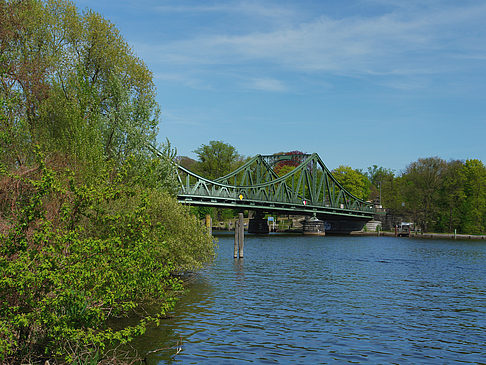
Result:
[[372, 226]]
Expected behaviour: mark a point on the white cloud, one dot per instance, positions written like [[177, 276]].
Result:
[[411, 41], [350, 45], [266, 84]]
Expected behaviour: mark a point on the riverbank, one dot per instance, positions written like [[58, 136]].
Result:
[[294, 226], [386, 234], [424, 235]]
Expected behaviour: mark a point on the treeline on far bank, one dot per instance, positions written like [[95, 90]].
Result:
[[90, 228], [437, 195]]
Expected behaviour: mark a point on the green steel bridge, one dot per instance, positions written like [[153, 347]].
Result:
[[308, 188]]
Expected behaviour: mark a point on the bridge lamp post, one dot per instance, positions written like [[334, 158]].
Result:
[[380, 194], [379, 186]]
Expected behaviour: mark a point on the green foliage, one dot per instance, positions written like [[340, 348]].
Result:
[[201, 212], [94, 233], [354, 181], [186, 162], [451, 194], [70, 83], [474, 203], [285, 166], [438, 195], [214, 160], [187, 244], [217, 159], [154, 172], [377, 174], [75, 255], [421, 183], [285, 169], [381, 184]]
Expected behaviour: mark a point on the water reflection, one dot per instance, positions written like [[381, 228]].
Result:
[[162, 344], [239, 266]]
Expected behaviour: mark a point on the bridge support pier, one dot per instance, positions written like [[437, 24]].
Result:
[[258, 224], [239, 237], [313, 226]]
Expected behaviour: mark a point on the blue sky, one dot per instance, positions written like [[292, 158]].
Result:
[[360, 82]]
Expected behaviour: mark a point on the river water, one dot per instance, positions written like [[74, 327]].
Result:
[[320, 300]]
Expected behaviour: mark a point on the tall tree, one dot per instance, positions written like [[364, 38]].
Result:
[[70, 82], [382, 185], [474, 205], [421, 189], [354, 181], [186, 162], [94, 242], [451, 197], [217, 159]]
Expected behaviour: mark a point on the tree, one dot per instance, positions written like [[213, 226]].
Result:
[[354, 181], [285, 169], [74, 256], [89, 230], [217, 159], [70, 83], [474, 204], [186, 162], [381, 180], [421, 189], [285, 166], [451, 197]]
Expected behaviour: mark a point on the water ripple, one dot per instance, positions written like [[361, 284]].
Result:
[[323, 300]]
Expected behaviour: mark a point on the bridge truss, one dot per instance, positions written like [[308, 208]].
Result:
[[308, 188]]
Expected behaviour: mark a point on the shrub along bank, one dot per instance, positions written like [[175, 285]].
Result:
[[75, 255], [90, 230]]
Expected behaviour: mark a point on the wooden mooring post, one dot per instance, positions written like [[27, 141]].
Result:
[[237, 231], [209, 224], [239, 237]]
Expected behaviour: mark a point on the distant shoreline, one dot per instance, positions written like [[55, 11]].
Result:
[[448, 236], [424, 235]]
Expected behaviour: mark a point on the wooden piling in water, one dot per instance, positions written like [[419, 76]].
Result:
[[241, 234], [209, 223], [239, 237], [237, 232]]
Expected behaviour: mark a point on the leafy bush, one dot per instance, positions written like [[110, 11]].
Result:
[[106, 240], [74, 256]]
